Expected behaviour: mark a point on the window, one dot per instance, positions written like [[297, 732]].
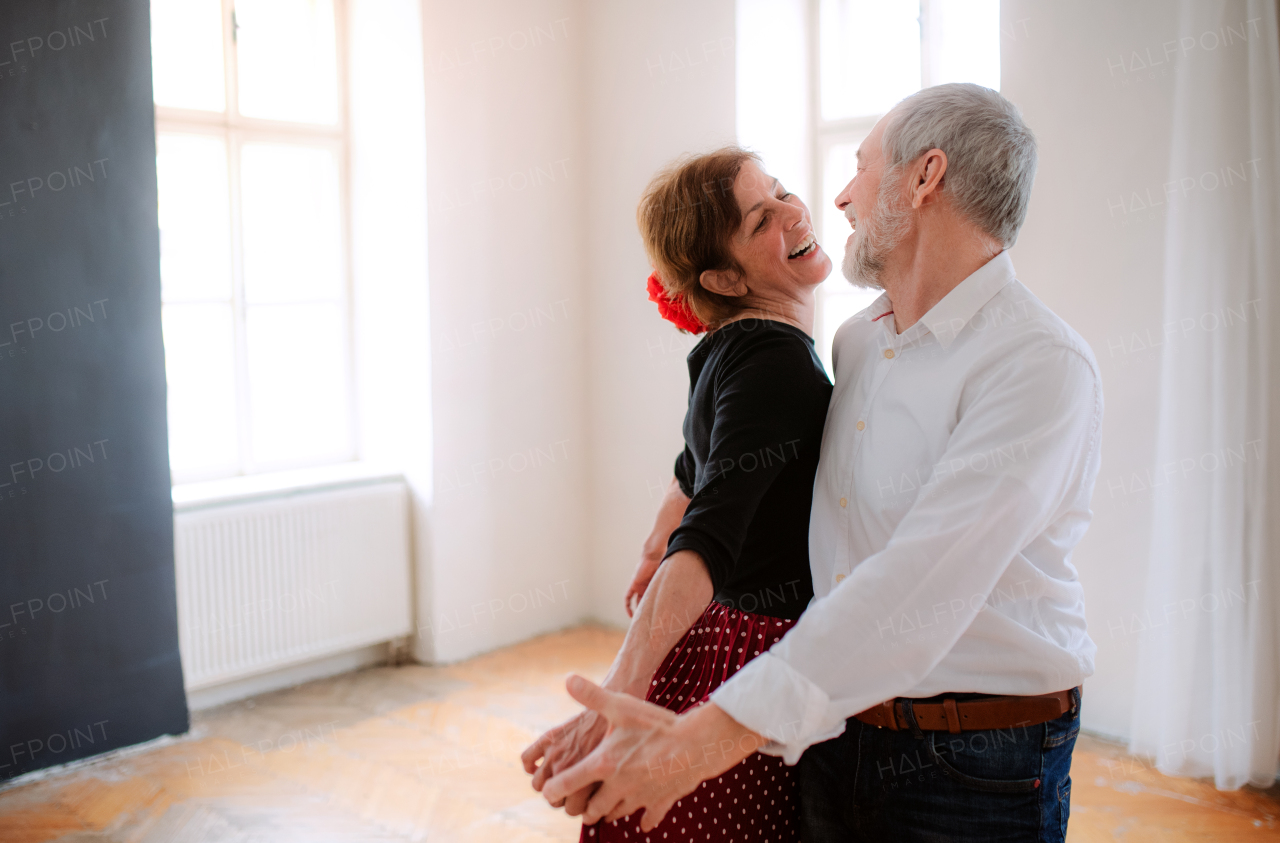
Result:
[[870, 54], [251, 158]]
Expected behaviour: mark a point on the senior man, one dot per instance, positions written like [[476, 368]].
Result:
[[933, 685]]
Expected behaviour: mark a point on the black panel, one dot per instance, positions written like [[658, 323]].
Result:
[[88, 616]]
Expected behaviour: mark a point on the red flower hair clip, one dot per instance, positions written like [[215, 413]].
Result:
[[674, 309]]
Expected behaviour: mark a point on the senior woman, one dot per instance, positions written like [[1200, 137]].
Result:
[[725, 572]]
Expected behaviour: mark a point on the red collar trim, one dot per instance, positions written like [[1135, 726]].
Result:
[[882, 315]]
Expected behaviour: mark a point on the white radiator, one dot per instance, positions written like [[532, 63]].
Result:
[[273, 582]]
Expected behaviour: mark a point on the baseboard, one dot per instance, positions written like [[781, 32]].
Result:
[[287, 677], [1107, 737]]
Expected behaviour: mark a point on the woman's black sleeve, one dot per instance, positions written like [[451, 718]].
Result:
[[685, 472], [768, 399]]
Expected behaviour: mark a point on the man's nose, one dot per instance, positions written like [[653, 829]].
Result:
[[843, 198]]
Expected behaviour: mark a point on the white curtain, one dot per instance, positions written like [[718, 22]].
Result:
[[1208, 685]]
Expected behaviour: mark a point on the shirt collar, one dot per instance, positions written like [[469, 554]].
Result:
[[946, 318], [879, 308]]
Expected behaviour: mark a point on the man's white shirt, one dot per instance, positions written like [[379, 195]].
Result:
[[958, 462]]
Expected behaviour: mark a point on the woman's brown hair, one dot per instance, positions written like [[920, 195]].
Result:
[[686, 217]]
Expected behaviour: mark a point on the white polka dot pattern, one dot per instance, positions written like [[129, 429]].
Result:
[[754, 801]]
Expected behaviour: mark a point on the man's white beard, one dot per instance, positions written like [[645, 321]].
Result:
[[875, 238]]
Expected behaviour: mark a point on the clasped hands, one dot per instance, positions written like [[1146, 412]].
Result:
[[622, 755]]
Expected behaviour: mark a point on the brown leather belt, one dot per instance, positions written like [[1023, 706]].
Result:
[[952, 715]]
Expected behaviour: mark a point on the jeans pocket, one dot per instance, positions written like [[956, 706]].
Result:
[[1056, 736], [986, 784]]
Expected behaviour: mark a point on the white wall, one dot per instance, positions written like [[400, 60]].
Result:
[[772, 80], [506, 169], [388, 244], [1094, 254], [659, 83], [556, 392]]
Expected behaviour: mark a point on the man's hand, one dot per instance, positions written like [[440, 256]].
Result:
[[650, 757], [560, 748]]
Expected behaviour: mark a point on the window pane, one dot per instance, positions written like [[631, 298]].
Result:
[[297, 384], [195, 219], [292, 224], [870, 52], [840, 299], [969, 48], [837, 171], [199, 353], [287, 59], [186, 54]]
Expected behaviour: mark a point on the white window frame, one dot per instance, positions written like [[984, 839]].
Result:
[[823, 134], [236, 130]]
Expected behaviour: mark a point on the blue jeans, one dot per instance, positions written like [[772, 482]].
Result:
[[872, 785]]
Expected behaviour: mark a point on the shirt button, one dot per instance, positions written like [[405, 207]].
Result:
[[844, 502], [839, 577], [888, 353], [862, 425]]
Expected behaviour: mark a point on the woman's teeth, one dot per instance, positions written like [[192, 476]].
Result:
[[807, 245]]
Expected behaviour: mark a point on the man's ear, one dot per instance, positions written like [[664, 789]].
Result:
[[929, 173], [726, 282]]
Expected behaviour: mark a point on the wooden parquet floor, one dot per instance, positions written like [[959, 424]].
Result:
[[431, 753]]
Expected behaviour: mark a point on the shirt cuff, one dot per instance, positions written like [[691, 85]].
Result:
[[773, 699]]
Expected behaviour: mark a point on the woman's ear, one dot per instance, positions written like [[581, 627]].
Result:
[[725, 282]]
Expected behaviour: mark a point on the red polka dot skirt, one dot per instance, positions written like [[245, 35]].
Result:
[[754, 801]]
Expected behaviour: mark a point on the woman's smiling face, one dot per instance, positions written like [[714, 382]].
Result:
[[775, 245]]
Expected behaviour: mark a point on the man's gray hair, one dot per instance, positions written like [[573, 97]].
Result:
[[991, 154]]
